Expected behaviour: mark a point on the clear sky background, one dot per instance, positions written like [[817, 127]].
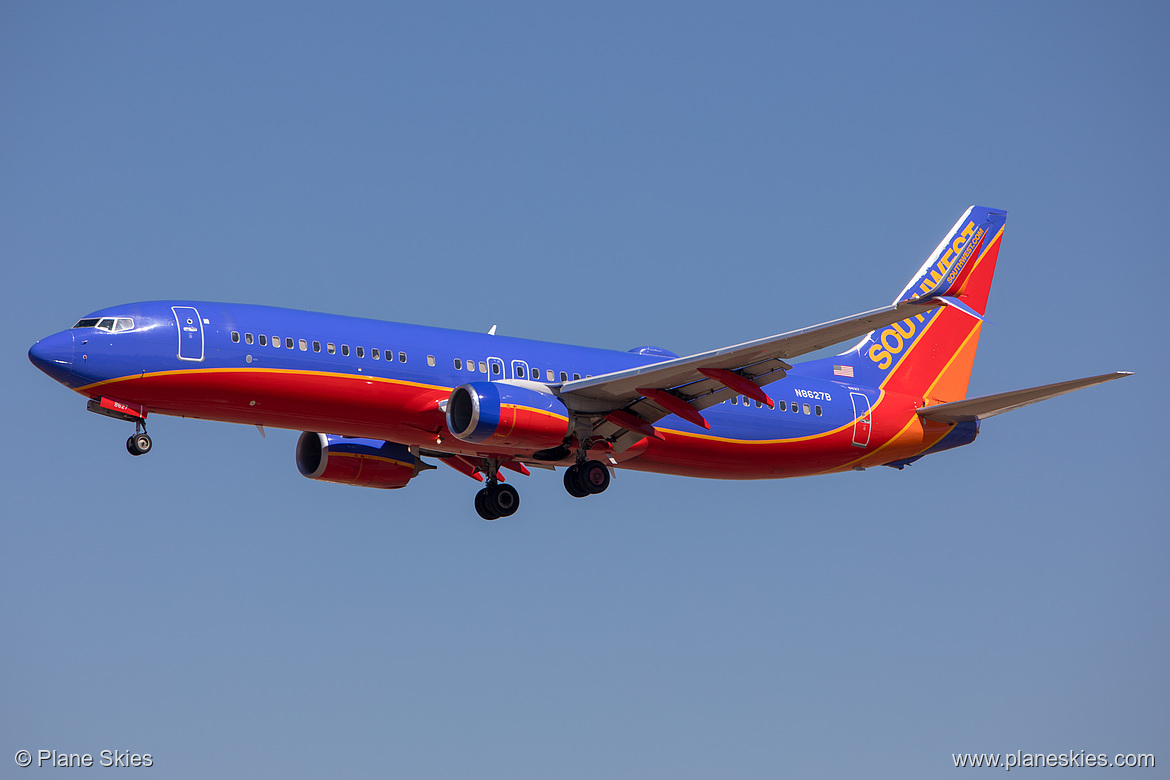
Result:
[[612, 175]]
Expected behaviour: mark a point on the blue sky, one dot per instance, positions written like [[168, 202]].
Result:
[[609, 175]]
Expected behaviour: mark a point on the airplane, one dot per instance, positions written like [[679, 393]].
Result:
[[375, 399]]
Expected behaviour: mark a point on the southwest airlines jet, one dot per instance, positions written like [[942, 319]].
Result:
[[377, 398]]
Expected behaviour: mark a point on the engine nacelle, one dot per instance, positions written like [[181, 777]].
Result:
[[507, 416], [362, 462]]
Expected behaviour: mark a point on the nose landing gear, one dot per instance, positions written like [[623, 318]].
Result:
[[139, 444]]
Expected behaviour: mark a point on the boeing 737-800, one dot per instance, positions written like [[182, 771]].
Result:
[[376, 399]]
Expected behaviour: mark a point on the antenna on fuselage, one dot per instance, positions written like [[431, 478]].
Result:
[[492, 332]]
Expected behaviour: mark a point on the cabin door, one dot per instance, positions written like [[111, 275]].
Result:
[[190, 332], [862, 421]]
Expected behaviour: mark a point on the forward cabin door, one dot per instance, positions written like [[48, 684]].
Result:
[[190, 332], [863, 423]]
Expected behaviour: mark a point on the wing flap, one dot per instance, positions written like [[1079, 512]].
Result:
[[991, 405]]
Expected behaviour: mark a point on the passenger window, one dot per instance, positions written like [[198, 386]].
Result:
[[374, 353], [471, 366], [564, 377], [735, 401], [782, 406], [795, 408], [304, 345], [807, 410], [759, 404], [401, 357], [361, 351], [332, 350], [576, 375], [345, 350], [276, 341], [519, 372], [431, 360], [235, 337], [263, 340], [458, 364], [549, 374], [820, 411], [482, 367], [288, 342], [496, 368], [248, 337], [316, 346]]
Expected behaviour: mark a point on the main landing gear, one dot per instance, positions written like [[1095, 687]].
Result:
[[139, 443], [497, 499], [586, 479]]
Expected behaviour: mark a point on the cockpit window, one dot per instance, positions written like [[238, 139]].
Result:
[[112, 324]]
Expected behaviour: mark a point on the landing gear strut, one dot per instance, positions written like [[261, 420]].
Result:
[[497, 499]]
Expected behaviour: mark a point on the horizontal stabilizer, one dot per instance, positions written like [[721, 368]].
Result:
[[991, 405]]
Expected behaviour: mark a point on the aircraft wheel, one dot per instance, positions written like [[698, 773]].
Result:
[[573, 482], [139, 444], [594, 476], [504, 500], [482, 505]]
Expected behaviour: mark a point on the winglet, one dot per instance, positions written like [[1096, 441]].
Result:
[[956, 303]]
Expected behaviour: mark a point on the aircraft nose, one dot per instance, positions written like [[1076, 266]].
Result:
[[54, 355]]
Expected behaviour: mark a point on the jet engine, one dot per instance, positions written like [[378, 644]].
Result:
[[507, 416], [362, 462]]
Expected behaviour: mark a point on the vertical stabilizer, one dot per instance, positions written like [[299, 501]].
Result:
[[930, 355]]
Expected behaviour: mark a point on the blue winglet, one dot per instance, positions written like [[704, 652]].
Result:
[[950, 301]]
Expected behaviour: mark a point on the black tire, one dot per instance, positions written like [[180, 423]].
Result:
[[142, 443], [130, 447], [594, 476], [482, 505], [504, 500], [573, 482]]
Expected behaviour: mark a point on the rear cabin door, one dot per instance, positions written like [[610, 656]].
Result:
[[863, 423], [190, 332]]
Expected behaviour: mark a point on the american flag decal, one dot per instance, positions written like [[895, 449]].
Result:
[[843, 371]]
